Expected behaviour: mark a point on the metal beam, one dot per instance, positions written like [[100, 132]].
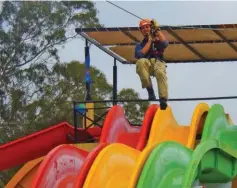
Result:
[[185, 44], [226, 40], [176, 42], [93, 41], [135, 39], [172, 99], [234, 60], [163, 27]]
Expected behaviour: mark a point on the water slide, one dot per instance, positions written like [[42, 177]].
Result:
[[214, 160], [205, 150], [177, 161], [61, 166], [119, 165]]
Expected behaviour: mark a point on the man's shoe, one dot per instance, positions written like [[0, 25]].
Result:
[[163, 103]]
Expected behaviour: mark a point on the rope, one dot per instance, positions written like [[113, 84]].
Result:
[[170, 26], [124, 10]]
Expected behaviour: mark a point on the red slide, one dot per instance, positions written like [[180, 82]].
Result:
[[40, 143], [68, 166]]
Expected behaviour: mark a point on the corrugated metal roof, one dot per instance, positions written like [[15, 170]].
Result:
[[191, 43]]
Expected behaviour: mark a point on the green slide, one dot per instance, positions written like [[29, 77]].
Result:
[[214, 160]]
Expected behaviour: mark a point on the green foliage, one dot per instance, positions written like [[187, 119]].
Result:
[[134, 110], [1, 183], [31, 31], [52, 104], [30, 34]]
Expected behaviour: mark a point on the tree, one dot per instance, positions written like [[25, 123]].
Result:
[[135, 111], [62, 84], [30, 34], [31, 31]]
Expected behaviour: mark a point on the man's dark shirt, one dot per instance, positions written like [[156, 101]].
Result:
[[156, 50]]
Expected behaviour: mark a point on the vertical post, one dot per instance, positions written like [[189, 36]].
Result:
[[85, 120], [114, 82], [89, 113], [87, 70], [75, 122], [87, 77]]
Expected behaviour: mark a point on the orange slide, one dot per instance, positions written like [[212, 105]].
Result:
[[67, 165], [119, 166], [25, 175]]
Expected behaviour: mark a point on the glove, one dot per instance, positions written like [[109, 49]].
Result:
[[150, 38], [155, 24]]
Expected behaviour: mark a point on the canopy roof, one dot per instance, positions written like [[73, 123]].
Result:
[[192, 43]]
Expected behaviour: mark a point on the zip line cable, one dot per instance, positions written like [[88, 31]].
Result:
[[183, 26], [124, 10]]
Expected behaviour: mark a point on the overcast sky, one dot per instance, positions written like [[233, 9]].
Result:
[[185, 80]]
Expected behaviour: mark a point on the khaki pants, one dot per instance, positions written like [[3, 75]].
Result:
[[152, 67]]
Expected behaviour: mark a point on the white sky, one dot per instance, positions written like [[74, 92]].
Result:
[[185, 80]]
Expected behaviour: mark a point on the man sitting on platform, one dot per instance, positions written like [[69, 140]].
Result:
[[150, 60]]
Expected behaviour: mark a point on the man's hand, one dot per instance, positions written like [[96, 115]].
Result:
[[150, 38]]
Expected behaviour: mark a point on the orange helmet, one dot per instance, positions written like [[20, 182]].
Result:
[[144, 22]]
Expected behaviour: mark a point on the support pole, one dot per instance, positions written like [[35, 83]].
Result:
[[89, 113], [75, 122], [115, 82], [87, 69]]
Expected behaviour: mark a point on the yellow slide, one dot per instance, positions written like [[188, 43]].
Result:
[[111, 166], [119, 166], [165, 127]]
